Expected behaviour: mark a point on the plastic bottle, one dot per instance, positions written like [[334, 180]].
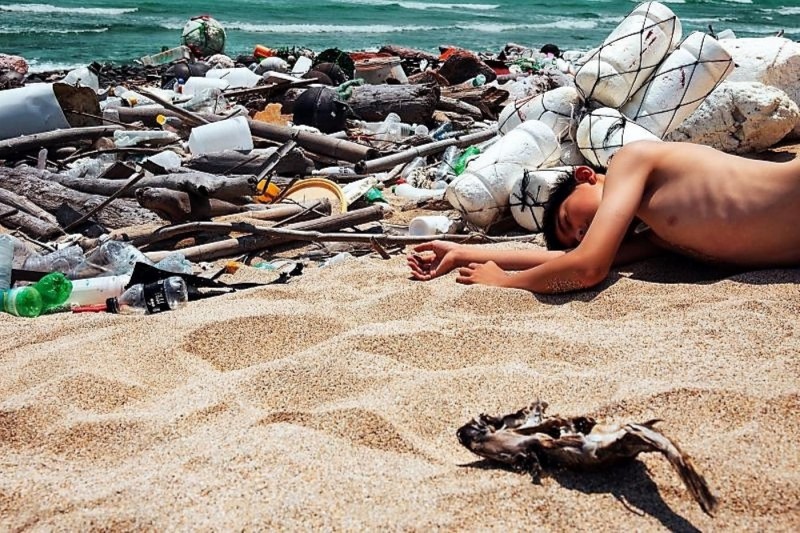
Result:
[[54, 289], [125, 138], [93, 291], [445, 168], [238, 78], [22, 301], [404, 190], [63, 260], [6, 260], [461, 163], [112, 258], [175, 262], [150, 298], [167, 56], [439, 132]]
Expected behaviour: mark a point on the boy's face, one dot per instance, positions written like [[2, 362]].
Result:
[[577, 212]]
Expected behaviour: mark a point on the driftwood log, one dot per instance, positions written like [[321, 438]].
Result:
[[178, 206], [253, 243], [408, 53], [313, 142], [35, 142], [39, 187], [199, 183], [29, 225], [295, 162], [23, 204], [414, 104]]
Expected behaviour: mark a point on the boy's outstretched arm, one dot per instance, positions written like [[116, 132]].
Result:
[[589, 263]]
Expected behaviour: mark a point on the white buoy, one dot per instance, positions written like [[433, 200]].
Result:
[[558, 108], [530, 193], [481, 193], [629, 55], [604, 131], [681, 83]]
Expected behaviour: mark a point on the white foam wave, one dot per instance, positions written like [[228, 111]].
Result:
[[36, 65], [18, 31], [421, 5], [323, 28], [567, 24], [47, 8], [789, 11]]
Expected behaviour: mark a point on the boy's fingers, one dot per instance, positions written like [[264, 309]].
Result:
[[424, 247]]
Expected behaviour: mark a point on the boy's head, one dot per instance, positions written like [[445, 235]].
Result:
[[570, 208]]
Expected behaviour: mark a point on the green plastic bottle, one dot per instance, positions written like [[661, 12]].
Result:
[[23, 301], [461, 163], [54, 290]]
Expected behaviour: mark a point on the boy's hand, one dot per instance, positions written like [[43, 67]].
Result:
[[432, 259], [486, 274]]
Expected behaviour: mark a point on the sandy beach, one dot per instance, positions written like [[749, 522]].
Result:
[[332, 402]]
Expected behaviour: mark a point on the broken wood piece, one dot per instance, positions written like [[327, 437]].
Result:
[[27, 143], [34, 227], [23, 204], [178, 207], [223, 187], [389, 161], [40, 188], [414, 104], [256, 242], [451, 104], [128, 185]]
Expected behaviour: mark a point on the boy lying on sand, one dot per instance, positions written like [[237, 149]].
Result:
[[683, 197]]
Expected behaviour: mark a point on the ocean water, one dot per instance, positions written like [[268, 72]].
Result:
[[65, 33]]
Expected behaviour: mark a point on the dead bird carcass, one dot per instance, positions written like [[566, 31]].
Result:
[[524, 438]]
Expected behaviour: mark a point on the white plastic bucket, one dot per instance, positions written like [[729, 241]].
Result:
[[377, 70], [237, 78], [558, 108], [680, 84], [629, 55], [229, 134], [531, 192], [604, 131], [196, 84]]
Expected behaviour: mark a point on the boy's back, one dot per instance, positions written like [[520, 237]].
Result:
[[717, 206]]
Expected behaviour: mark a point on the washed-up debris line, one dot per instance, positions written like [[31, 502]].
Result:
[[188, 156]]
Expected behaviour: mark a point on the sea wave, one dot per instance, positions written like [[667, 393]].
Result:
[[420, 5], [788, 11], [19, 31], [36, 65], [47, 8], [567, 24]]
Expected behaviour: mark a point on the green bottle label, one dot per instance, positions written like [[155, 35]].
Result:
[[11, 301]]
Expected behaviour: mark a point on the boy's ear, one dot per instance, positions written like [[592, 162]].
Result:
[[584, 174]]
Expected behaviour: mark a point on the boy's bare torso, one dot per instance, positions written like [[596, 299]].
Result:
[[723, 208]]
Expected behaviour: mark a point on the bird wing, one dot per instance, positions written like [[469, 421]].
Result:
[[657, 441]]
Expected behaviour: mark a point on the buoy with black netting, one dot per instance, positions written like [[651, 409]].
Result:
[[558, 108], [604, 131], [204, 36], [685, 78]]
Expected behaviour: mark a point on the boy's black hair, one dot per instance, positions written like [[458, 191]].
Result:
[[558, 193]]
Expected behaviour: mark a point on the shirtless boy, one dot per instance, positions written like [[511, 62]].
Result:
[[689, 198]]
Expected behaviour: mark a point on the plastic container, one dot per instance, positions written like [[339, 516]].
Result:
[[377, 70], [355, 190], [229, 134], [529, 194], [63, 260], [311, 189], [54, 289], [6, 261], [196, 84], [82, 76], [604, 131], [125, 138], [468, 155], [482, 192], [150, 298], [167, 56], [405, 190], [428, 225], [558, 108], [301, 66], [629, 55], [167, 159], [262, 51], [237, 78], [681, 83], [94, 291]]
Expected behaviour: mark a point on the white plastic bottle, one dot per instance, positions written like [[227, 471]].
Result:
[[6, 259], [94, 291]]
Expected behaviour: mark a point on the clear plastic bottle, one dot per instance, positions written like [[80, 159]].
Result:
[[63, 260], [411, 167], [439, 132], [150, 298], [94, 291], [445, 168]]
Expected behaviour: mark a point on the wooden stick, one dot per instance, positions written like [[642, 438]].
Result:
[[389, 161], [122, 190], [27, 143]]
